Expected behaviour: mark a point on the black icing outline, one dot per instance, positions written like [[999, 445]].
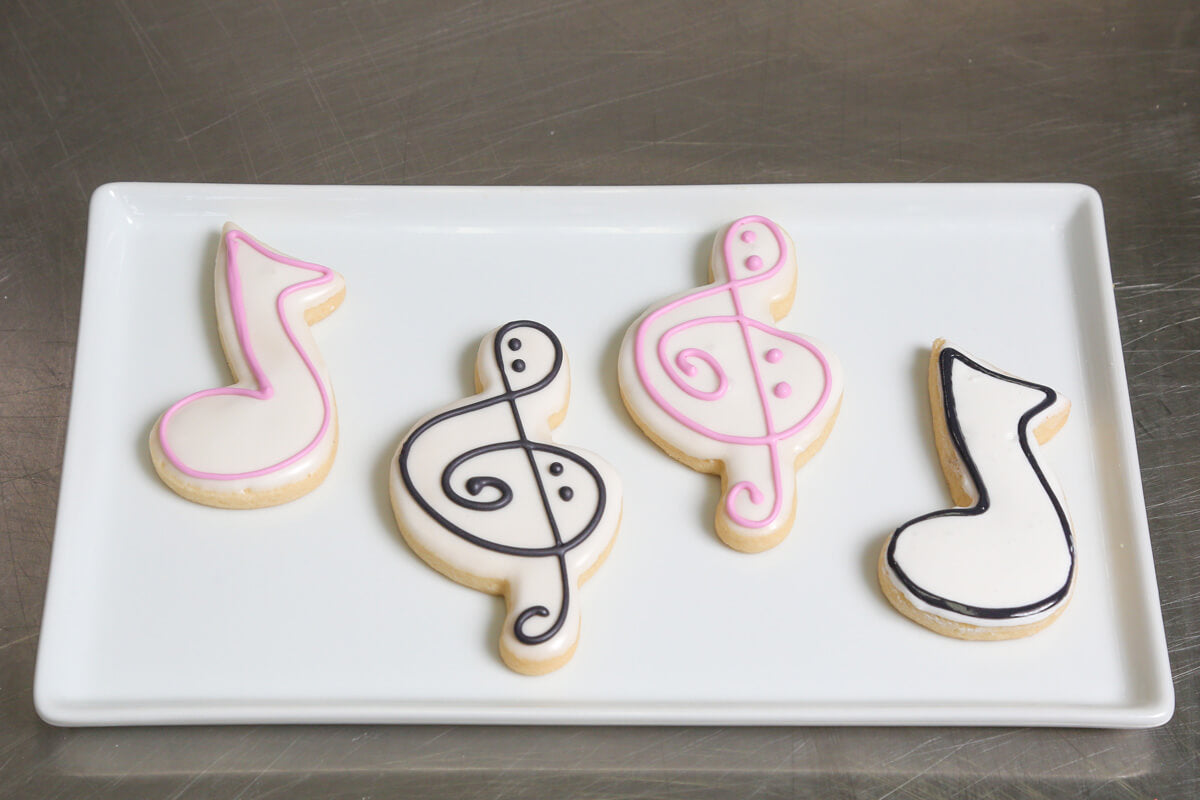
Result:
[[945, 363], [477, 484]]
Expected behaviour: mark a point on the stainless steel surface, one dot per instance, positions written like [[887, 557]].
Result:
[[596, 92]]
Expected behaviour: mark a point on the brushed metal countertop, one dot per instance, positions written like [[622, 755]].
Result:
[[604, 92]]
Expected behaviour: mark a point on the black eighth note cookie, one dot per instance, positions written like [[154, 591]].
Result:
[[1002, 564]]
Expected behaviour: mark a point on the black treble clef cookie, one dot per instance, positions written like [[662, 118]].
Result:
[[484, 495]]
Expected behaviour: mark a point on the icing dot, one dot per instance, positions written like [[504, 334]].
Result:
[[753, 263], [514, 344], [774, 356], [518, 366], [782, 390], [556, 468], [749, 236], [565, 493]]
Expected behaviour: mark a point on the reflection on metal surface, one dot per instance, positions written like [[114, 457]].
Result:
[[879, 752]]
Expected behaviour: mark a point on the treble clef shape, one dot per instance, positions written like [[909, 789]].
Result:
[[711, 380], [271, 436], [483, 494]]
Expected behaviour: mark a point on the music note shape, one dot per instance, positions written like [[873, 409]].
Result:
[[272, 435], [1001, 564], [483, 494], [709, 379]]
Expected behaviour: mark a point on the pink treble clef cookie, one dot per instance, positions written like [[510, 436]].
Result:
[[709, 378]]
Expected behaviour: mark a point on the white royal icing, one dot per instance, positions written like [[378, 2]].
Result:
[[1018, 553], [707, 372], [561, 512], [278, 424]]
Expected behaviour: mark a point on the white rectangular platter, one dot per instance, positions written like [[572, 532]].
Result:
[[163, 611]]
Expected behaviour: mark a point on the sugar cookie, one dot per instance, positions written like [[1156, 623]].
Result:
[[712, 382], [1002, 564], [485, 496], [271, 436]]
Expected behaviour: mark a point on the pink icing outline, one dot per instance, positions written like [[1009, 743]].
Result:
[[265, 390], [771, 438], [683, 360]]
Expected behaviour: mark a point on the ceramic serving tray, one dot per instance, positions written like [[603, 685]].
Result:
[[163, 611]]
